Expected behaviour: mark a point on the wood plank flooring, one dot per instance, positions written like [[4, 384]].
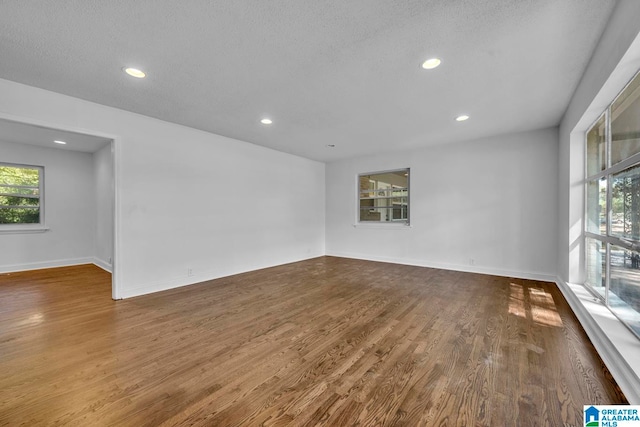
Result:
[[329, 342]]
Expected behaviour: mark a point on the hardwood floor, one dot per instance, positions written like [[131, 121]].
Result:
[[328, 341]]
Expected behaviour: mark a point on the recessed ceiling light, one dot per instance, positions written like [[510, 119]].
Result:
[[462, 118], [266, 121], [60, 142], [431, 63], [134, 72]]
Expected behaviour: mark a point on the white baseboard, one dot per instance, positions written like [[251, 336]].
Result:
[[616, 345], [103, 264], [544, 277], [45, 264], [202, 276], [165, 285]]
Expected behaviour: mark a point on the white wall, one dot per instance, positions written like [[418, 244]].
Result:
[[493, 201], [187, 199], [104, 190], [69, 210]]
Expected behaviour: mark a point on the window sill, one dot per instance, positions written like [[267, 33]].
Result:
[[24, 230], [615, 343], [383, 225]]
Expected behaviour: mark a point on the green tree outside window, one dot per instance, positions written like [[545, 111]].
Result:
[[19, 194]]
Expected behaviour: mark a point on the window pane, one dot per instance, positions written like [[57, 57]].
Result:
[[625, 200], [384, 197], [596, 147], [19, 194], [596, 257], [19, 215], [624, 292], [625, 123], [597, 206], [399, 212]]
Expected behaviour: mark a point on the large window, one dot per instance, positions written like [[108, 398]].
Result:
[[612, 214], [20, 195], [384, 196]]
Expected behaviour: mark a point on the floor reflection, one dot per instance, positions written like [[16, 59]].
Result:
[[534, 304]]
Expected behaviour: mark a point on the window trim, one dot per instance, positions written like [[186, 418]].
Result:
[[33, 227], [608, 240], [383, 224]]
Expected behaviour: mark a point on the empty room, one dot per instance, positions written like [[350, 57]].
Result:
[[331, 213]]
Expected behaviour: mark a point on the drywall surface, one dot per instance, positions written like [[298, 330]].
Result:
[[69, 210], [190, 205], [488, 205], [104, 192]]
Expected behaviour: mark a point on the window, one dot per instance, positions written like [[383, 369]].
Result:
[[384, 196], [612, 214], [20, 195]]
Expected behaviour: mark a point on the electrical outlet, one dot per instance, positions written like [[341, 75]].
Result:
[[472, 261], [190, 272]]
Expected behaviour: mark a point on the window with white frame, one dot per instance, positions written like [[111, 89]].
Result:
[[384, 197], [612, 214], [20, 195]]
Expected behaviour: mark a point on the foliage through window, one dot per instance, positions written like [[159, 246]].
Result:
[[612, 215], [20, 194], [384, 196]]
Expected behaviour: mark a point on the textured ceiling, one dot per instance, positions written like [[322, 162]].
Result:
[[327, 72]]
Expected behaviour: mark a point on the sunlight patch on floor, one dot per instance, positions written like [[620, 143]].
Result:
[[542, 307]]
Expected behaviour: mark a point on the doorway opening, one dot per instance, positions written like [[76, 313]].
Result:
[[74, 202]]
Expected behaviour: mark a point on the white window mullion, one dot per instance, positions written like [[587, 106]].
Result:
[[615, 276]]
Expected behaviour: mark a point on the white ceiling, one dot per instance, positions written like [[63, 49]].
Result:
[[21, 133], [343, 72]]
